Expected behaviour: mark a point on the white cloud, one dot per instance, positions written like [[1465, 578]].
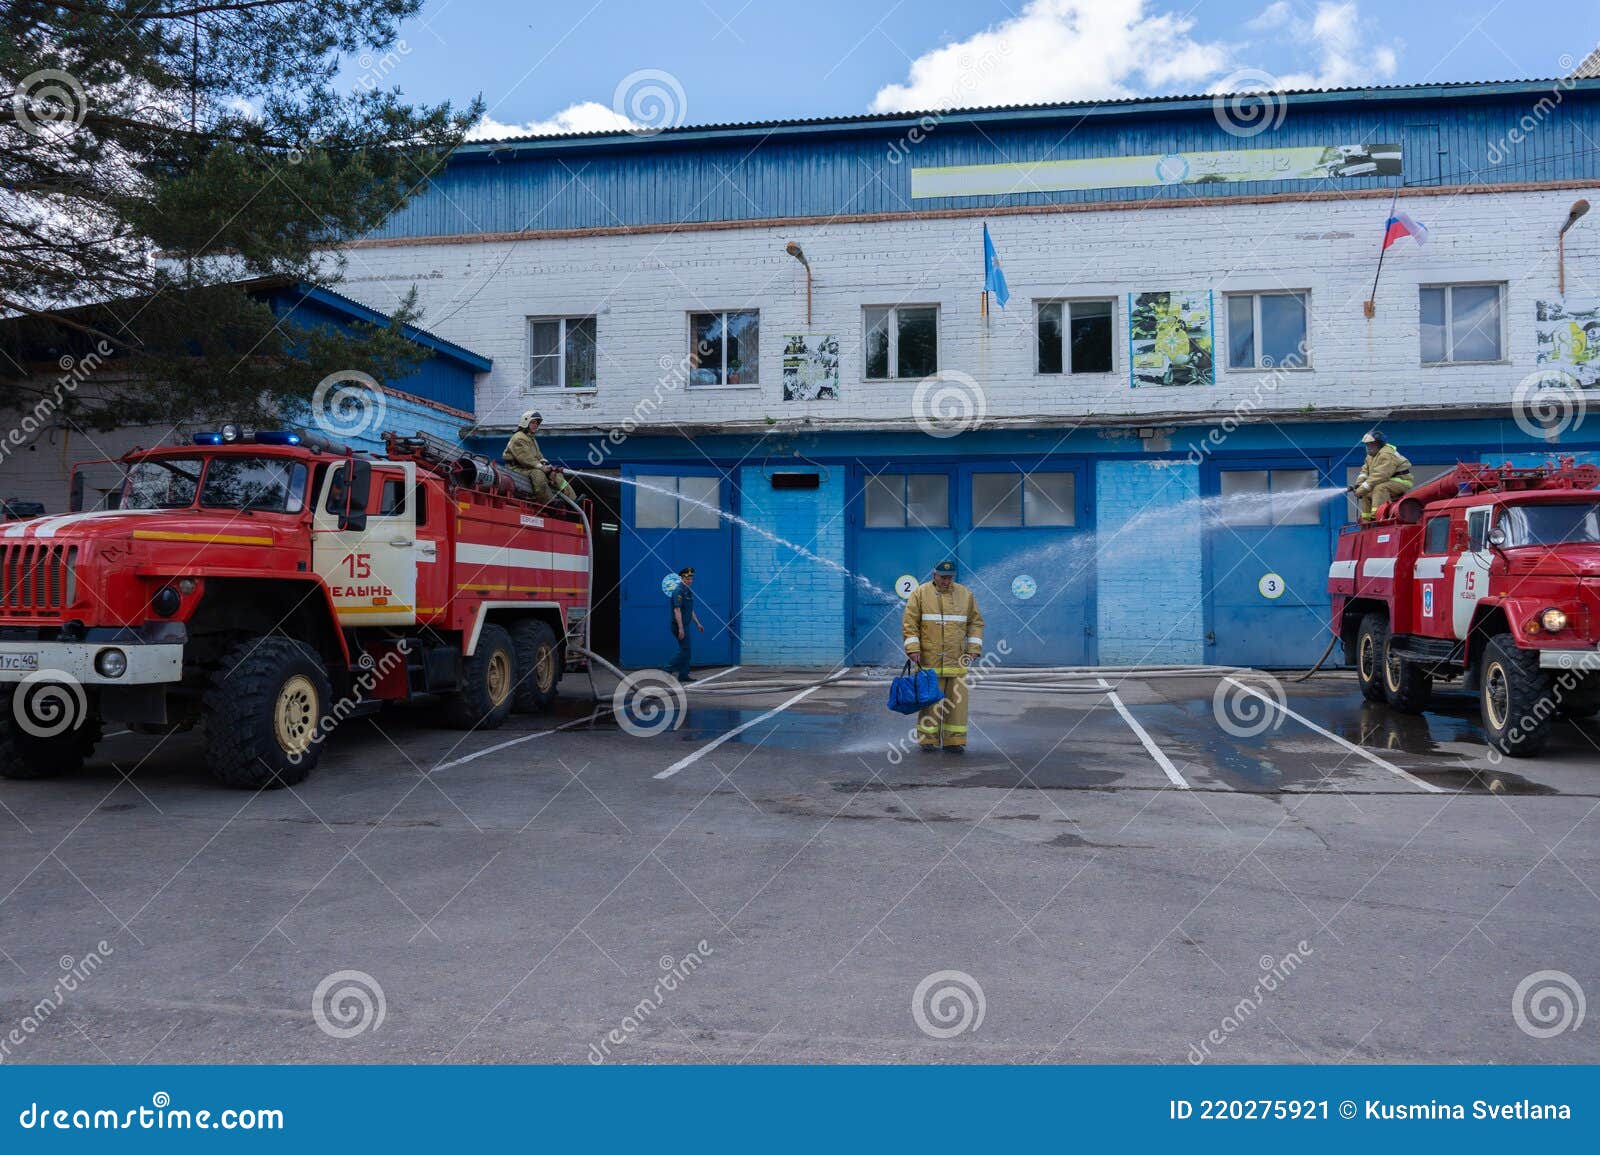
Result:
[[1059, 50], [1062, 50], [586, 116], [1274, 15], [1345, 57]]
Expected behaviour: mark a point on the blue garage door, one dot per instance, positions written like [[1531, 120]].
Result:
[[1267, 557], [661, 533], [902, 523], [1028, 555]]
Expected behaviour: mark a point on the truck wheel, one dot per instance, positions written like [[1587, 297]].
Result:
[[1514, 698], [43, 753], [538, 665], [263, 714], [1372, 643], [488, 684], [1406, 686]]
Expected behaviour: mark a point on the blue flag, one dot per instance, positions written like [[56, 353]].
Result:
[[994, 277]]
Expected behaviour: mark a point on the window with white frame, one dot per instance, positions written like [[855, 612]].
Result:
[[1074, 336], [725, 348], [562, 353], [901, 341], [1461, 324], [1268, 331]]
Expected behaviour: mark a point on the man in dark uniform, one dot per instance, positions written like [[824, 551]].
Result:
[[682, 614]]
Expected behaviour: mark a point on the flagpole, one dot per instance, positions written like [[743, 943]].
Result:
[[1372, 297]]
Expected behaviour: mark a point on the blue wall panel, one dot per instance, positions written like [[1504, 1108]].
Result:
[[793, 611], [1151, 597]]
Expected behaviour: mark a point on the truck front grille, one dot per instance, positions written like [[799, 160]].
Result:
[[37, 579]]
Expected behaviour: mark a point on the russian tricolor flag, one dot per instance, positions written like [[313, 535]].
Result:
[[1401, 225]]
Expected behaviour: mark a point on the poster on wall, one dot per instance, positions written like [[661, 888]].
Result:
[[1568, 339], [810, 367], [1169, 338], [1312, 162]]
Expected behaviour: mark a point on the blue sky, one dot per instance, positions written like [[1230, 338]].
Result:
[[544, 67]]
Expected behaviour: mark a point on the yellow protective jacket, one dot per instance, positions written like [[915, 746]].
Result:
[[1383, 466], [943, 626], [522, 452]]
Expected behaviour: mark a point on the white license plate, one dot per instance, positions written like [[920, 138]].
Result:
[[26, 662]]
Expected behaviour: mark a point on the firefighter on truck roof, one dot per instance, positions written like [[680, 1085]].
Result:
[[524, 456], [1384, 476], [943, 631]]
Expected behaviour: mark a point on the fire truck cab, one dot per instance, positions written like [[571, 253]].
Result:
[[267, 587], [1487, 574]]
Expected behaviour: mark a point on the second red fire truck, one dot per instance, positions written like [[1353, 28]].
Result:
[[1489, 575], [266, 587]]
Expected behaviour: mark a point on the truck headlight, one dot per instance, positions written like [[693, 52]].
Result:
[[1553, 620], [111, 663]]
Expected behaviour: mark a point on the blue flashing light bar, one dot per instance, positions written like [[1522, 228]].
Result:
[[271, 437]]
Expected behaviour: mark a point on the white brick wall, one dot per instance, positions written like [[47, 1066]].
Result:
[[642, 288]]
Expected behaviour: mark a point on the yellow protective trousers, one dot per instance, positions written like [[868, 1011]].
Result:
[[945, 722]]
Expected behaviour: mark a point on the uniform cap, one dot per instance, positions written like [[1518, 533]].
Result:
[[948, 567], [686, 571]]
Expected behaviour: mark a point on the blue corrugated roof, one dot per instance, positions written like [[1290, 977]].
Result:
[[1028, 113], [1450, 135]]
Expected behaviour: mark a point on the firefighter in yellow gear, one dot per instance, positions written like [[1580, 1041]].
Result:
[[524, 456], [944, 632], [1384, 476]]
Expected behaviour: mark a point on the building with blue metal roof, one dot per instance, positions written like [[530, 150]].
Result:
[[787, 321]]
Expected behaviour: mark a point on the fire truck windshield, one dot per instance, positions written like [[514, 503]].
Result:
[[1573, 521], [266, 484]]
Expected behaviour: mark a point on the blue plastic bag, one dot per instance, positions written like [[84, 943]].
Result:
[[910, 692]]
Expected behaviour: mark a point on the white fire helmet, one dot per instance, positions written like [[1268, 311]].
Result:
[[529, 418]]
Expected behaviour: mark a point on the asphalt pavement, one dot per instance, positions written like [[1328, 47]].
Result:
[[1165, 869]]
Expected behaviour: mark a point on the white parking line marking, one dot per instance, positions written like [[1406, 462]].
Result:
[[714, 677], [599, 712], [1350, 746], [691, 759], [1156, 752]]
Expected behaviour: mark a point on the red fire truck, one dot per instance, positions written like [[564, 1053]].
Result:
[[267, 587], [1487, 574]]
